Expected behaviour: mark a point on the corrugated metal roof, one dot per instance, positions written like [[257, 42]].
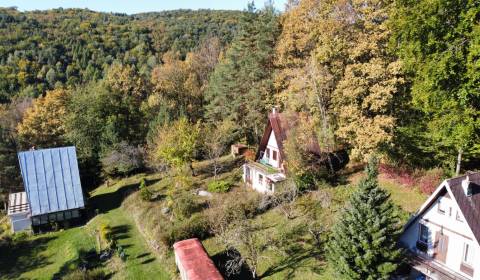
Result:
[[51, 179]]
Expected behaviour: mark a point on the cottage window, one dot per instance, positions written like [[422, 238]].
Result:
[[423, 234], [75, 214], [267, 153], [274, 155], [467, 254], [440, 207], [260, 179], [269, 185]]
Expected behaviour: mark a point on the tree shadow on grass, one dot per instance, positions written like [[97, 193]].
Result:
[[85, 260], [22, 256], [297, 259], [148, 261], [221, 259], [108, 201], [120, 232]]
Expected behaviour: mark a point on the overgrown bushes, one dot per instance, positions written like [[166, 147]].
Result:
[[219, 186], [426, 180], [145, 193], [196, 226], [122, 160], [79, 274]]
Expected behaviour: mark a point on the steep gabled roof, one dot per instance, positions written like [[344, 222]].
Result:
[[281, 125], [469, 205], [51, 179]]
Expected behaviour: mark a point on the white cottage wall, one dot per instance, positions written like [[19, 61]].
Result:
[[447, 223]]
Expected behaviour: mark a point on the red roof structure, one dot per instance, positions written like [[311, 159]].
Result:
[[193, 262]]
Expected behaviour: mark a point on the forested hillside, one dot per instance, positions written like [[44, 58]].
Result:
[[41, 50], [392, 83]]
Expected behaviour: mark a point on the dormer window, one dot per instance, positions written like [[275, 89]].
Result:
[[274, 155]]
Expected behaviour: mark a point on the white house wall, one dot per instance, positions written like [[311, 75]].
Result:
[[458, 233], [273, 146], [256, 185], [20, 221]]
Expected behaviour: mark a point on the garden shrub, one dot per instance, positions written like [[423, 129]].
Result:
[[426, 180], [106, 234], [123, 159], [145, 193], [185, 205], [195, 226], [93, 274], [430, 180], [219, 186]]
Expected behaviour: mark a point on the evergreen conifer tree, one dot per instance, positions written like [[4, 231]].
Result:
[[241, 87], [363, 244]]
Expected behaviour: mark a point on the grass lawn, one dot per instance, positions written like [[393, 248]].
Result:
[[47, 256], [140, 263], [43, 256]]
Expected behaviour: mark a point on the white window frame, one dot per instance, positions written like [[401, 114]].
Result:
[[260, 179]]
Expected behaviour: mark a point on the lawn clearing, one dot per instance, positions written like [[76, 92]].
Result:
[[47, 256]]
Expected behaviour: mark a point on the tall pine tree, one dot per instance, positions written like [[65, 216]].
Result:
[[363, 242], [241, 87]]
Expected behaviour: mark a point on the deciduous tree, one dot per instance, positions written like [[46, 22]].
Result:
[[43, 124], [175, 144]]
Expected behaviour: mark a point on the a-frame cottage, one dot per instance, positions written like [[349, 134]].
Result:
[[268, 169], [443, 237]]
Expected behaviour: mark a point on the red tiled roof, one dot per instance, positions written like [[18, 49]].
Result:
[[195, 261]]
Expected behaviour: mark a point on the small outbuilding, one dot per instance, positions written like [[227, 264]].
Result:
[[53, 191], [19, 211], [193, 262]]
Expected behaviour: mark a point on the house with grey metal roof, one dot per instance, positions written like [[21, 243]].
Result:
[[52, 185]]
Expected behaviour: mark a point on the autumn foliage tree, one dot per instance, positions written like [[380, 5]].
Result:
[[344, 76], [43, 124], [175, 144]]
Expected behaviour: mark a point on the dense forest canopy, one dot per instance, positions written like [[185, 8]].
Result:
[[39, 49]]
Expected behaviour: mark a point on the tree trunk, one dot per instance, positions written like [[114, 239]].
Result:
[[215, 170], [459, 162]]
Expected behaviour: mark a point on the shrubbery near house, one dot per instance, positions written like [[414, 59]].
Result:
[[219, 186]]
